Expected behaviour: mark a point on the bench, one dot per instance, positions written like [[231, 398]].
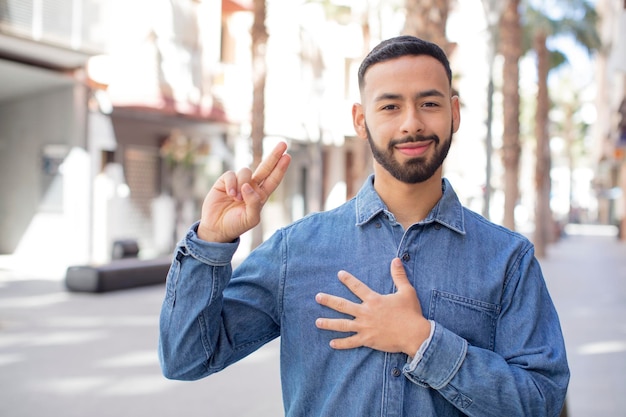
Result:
[[119, 274]]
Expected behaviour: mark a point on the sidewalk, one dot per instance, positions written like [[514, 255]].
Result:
[[83, 354], [586, 275], [75, 354]]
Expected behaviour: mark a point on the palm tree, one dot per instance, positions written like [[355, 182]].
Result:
[[543, 163], [259, 72], [511, 50], [427, 19], [579, 20]]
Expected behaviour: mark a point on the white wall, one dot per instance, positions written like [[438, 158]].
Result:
[[43, 215]]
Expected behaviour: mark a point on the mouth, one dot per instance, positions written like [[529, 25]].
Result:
[[414, 149]]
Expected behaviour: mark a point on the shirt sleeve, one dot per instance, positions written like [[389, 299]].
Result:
[[210, 317]]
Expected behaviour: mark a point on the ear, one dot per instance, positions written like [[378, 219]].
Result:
[[456, 113], [358, 120]]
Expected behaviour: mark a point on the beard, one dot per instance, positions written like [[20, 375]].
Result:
[[414, 170]]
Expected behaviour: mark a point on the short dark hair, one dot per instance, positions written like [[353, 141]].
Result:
[[402, 46]]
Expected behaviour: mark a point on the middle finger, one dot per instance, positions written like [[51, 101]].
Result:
[[266, 166]]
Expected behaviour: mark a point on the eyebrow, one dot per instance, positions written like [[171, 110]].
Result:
[[422, 94]]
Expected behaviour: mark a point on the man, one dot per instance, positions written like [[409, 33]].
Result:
[[398, 303]]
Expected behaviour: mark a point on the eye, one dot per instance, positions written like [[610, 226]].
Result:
[[430, 104], [389, 107]]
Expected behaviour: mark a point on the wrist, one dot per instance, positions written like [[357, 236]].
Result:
[[422, 335], [209, 235]]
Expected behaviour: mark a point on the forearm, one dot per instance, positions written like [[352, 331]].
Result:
[[481, 382], [190, 321]]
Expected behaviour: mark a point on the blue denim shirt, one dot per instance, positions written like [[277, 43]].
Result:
[[497, 348]]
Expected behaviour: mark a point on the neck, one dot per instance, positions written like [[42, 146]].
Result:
[[409, 203]]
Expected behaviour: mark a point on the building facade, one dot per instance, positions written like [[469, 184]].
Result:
[[115, 121], [92, 93]]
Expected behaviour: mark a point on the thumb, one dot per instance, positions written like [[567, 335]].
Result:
[[398, 274]]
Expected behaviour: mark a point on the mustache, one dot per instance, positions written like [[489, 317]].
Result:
[[414, 139]]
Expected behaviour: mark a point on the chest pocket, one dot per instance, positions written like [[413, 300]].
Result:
[[473, 320]]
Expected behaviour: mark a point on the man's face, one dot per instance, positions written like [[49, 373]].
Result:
[[408, 116], [416, 169]]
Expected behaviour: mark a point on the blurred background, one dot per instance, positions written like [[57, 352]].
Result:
[[116, 116]]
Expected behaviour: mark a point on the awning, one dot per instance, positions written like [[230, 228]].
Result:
[[232, 6]]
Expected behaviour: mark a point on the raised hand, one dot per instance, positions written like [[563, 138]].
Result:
[[389, 323], [233, 206]]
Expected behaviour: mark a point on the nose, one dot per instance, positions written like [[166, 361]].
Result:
[[412, 123]]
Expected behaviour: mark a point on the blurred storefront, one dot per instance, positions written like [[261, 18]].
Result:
[[117, 116], [93, 94], [44, 165]]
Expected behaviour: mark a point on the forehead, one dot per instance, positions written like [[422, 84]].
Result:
[[398, 75]]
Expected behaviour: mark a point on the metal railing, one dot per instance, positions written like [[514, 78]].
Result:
[[72, 24]]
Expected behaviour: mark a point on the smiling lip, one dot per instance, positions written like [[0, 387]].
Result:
[[413, 148]]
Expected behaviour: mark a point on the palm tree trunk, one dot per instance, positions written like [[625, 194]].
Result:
[[511, 49], [543, 222], [427, 19], [259, 72]]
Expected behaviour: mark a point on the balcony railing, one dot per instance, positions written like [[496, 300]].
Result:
[[71, 24]]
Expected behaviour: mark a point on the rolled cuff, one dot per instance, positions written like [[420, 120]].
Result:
[[440, 361], [210, 253], [410, 367]]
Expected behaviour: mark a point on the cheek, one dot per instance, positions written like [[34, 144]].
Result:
[[444, 127], [382, 130]]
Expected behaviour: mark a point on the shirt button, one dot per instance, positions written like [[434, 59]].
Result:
[[406, 257], [437, 226], [378, 225], [396, 372]]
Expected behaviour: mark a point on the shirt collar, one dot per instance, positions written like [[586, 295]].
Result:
[[448, 211]]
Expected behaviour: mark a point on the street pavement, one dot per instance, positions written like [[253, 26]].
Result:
[[94, 355], [586, 275], [80, 354]]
